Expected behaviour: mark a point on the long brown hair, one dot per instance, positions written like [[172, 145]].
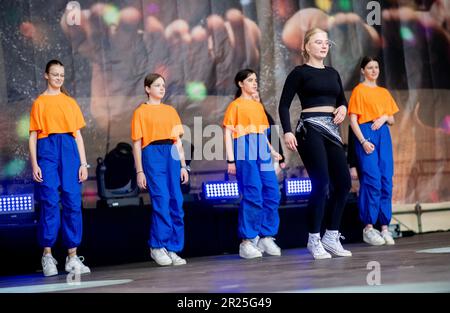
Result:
[[47, 71]]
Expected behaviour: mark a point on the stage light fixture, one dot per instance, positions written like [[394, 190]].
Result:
[[220, 190], [18, 203], [297, 187]]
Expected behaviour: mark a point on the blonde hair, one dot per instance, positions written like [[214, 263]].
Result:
[[309, 33]]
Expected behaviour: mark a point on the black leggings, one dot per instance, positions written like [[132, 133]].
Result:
[[327, 168]]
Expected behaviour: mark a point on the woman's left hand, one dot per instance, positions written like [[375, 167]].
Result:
[[379, 122], [82, 174], [184, 176], [339, 114]]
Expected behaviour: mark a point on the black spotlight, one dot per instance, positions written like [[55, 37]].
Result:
[[116, 177]]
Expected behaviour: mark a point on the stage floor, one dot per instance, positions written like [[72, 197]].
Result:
[[420, 263]]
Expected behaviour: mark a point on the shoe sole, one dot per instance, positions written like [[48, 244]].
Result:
[[163, 264], [332, 251], [374, 244], [251, 257], [320, 257], [271, 253], [73, 271], [51, 274], [278, 253]]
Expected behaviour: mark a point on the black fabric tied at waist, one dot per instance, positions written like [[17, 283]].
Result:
[[321, 122], [162, 142]]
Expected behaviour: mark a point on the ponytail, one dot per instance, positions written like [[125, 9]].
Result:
[[64, 91]]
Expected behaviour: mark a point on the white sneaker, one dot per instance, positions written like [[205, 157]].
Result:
[[49, 265], [315, 247], [255, 241], [331, 242], [268, 245], [176, 259], [387, 236], [75, 264], [248, 250], [373, 237], [160, 256]]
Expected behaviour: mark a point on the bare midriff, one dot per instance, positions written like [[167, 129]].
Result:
[[322, 108]]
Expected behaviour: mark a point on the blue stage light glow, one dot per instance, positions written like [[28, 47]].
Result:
[[218, 190], [23, 203], [297, 186]]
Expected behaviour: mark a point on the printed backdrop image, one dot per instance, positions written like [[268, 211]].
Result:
[[199, 45]]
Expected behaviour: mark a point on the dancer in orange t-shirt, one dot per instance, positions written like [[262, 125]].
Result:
[[249, 156], [59, 165], [371, 109], [160, 165]]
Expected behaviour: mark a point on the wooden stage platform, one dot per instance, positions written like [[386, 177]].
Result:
[[420, 263]]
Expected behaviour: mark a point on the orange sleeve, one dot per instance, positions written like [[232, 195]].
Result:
[[79, 119], [35, 120], [136, 126], [354, 105], [230, 119], [178, 127], [392, 107]]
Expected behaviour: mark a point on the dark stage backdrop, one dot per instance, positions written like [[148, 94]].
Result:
[[199, 45]]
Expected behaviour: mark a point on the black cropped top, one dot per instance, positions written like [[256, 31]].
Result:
[[314, 87]]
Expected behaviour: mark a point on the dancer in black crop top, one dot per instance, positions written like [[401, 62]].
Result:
[[318, 141], [314, 86]]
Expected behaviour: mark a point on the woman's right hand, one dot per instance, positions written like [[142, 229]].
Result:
[[290, 141], [368, 147], [141, 180], [37, 174], [231, 169]]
